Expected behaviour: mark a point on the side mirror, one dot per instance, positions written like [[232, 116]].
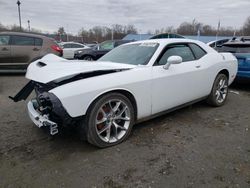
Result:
[[172, 60]]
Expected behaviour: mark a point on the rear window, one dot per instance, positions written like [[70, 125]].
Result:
[[38, 42], [4, 40], [23, 40], [198, 51]]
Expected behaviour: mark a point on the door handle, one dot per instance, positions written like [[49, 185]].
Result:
[[35, 49], [5, 49], [197, 66]]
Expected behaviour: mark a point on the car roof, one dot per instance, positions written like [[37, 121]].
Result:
[[23, 34], [164, 42], [71, 43]]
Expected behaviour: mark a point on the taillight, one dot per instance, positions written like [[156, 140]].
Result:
[[56, 48]]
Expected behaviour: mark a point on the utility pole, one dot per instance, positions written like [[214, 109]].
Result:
[[29, 25], [19, 13]]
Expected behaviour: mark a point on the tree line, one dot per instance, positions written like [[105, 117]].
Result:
[[117, 31]]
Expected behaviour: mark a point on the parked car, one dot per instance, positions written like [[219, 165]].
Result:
[[241, 50], [166, 36], [98, 51], [217, 44], [132, 83], [18, 49], [69, 48]]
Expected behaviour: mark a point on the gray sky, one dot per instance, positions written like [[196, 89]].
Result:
[[48, 15]]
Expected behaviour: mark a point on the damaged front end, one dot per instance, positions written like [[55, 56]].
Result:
[[45, 110]]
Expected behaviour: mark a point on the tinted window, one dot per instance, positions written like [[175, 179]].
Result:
[[181, 50], [4, 40], [38, 42], [23, 40], [77, 46], [198, 51], [67, 46], [107, 45]]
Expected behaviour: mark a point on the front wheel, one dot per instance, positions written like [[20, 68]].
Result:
[[219, 91], [109, 120]]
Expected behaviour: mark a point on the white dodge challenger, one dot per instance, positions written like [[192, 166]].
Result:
[[132, 83]]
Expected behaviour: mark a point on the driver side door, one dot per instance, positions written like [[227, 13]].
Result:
[[180, 83]]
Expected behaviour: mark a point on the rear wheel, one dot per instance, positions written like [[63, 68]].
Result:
[[219, 91], [109, 120], [88, 58]]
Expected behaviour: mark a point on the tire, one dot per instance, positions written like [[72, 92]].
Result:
[[88, 58], [219, 91], [109, 120]]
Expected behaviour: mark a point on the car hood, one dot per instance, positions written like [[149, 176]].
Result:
[[53, 68]]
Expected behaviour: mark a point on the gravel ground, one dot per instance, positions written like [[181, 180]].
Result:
[[198, 146]]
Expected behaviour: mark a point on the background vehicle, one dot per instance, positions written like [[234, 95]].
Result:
[[241, 50], [69, 48], [217, 44], [99, 50], [132, 83], [166, 36], [18, 49]]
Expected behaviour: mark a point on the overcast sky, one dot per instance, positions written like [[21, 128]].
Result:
[[48, 15]]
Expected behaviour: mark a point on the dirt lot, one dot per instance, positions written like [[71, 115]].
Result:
[[198, 146]]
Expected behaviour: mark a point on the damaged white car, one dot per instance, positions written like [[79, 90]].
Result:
[[132, 83]]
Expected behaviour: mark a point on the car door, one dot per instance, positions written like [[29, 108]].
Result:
[[180, 83], [5, 50], [73, 48], [22, 50], [67, 50]]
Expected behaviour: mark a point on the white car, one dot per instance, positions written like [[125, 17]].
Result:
[[69, 49], [132, 83]]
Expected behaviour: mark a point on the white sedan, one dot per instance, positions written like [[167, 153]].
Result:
[[132, 83], [69, 49]]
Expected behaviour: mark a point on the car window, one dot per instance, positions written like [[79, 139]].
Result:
[[107, 45], [23, 40], [38, 42], [198, 51], [67, 45], [4, 40], [76, 46], [181, 50]]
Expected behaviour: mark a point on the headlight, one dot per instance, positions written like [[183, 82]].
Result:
[[79, 52]]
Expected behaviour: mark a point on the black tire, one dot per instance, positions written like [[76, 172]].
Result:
[[88, 58], [90, 127], [213, 98]]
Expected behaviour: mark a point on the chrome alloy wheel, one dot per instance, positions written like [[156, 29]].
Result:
[[221, 90], [112, 120]]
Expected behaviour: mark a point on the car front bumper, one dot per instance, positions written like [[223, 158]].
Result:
[[41, 120]]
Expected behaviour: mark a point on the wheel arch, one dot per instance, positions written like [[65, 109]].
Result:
[[122, 91], [224, 71]]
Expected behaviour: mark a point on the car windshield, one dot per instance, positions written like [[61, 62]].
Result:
[[134, 54]]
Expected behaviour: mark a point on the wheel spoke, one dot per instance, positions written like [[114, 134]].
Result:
[[105, 128], [108, 133], [117, 105], [101, 121], [123, 118], [115, 130], [119, 126]]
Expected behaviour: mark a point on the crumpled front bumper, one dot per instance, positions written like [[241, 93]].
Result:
[[41, 120]]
